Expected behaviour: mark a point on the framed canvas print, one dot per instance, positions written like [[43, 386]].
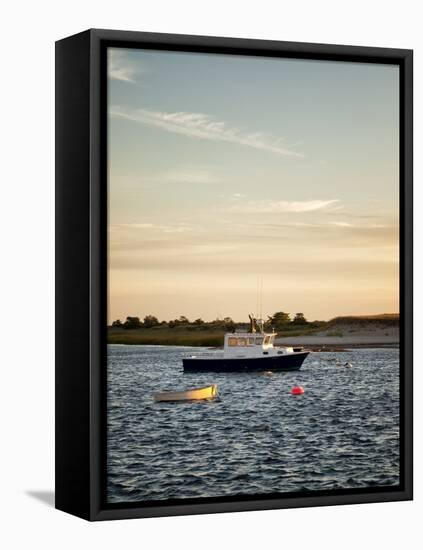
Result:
[[234, 274]]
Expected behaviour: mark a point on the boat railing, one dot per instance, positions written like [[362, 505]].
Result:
[[204, 354]]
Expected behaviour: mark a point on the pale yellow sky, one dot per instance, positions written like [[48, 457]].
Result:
[[225, 169]]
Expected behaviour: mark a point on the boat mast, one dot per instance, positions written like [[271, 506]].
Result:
[[252, 324], [260, 324], [256, 325]]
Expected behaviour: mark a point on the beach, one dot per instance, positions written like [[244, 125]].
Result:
[[348, 333], [333, 343]]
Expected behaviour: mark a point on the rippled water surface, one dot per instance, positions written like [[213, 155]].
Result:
[[257, 438]]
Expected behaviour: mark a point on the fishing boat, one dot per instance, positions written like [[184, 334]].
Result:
[[196, 394], [251, 350]]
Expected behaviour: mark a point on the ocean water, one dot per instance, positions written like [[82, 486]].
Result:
[[257, 438]]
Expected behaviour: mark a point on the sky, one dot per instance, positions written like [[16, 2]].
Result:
[[224, 170]]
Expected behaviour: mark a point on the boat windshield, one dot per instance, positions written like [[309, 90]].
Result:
[[242, 341]]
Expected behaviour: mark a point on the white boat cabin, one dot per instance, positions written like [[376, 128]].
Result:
[[251, 344]]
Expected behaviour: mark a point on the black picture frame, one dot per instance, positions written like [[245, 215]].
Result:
[[81, 270]]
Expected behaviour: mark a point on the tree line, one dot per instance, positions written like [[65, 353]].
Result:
[[279, 320]]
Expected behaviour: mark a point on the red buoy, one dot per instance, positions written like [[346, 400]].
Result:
[[297, 390]]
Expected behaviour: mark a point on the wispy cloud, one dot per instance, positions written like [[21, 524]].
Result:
[[119, 67], [192, 176], [276, 207], [341, 224], [203, 126], [175, 228]]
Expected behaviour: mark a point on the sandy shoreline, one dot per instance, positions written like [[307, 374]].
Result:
[[340, 342]]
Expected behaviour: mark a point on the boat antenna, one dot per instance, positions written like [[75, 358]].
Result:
[[259, 302], [257, 299], [261, 297]]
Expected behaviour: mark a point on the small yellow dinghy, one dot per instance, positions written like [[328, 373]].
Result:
[[210, 392]]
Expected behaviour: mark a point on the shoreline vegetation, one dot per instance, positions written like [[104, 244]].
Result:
[[364, 331]]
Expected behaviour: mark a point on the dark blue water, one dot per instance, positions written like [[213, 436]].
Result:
[[257, 438]]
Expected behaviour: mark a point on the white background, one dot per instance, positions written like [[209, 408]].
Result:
[[28, 32]]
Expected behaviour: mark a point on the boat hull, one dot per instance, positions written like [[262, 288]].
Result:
[[210, 392], [288, 362]]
